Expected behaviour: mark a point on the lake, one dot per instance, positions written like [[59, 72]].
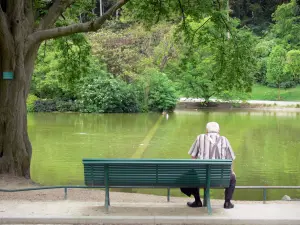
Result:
[[266, 144]]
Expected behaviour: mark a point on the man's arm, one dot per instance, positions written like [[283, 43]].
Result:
[[230, 154], [194, 150]]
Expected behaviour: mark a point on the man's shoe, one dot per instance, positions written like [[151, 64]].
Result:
[[228, 205], [194, 204]]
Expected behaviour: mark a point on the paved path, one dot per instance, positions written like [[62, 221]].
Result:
[[78, 212], [278, 103]]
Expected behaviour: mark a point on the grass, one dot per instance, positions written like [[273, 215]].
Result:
[[260, 92]]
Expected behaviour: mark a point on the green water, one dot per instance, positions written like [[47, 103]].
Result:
[[266, 144]]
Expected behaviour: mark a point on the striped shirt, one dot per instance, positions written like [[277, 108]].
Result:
[[211, 146]]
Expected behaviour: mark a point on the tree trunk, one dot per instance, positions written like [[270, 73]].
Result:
[[16, 56], [279, 92], [15, 147]]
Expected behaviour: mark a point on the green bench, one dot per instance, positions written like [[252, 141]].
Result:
[[157, 173]]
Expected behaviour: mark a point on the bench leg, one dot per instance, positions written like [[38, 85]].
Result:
[[204, 198], [107, 201], [106, 177], [207, 200]]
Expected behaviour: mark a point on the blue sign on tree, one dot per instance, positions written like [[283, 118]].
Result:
[[8, 75]]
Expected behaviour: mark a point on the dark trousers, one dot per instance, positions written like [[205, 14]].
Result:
[[228, 191]]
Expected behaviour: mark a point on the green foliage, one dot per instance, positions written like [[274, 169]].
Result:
[[262, 51], [59, 66], [45, 106], [202, 52], [31, 102], [293, 64], [74, 54], [127, 48], [150, 12], [160, 94], [256, 14], [106, 94], [215, 62], [287, 27], [34, 104], [66, 106], [119, 50], [275, 67], [234, 96]]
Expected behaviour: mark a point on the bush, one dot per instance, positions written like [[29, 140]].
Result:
[[159, 91], [108, 95], [66, 106], [31, 102], [287, 84], [45, 106]]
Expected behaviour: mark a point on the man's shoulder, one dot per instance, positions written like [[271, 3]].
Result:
[[200, 136], [224, 137]]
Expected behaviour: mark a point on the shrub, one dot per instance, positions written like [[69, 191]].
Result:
[[106, 94], [31, 102], [45, 106], [66, 106], [287, 84], [159, 91]]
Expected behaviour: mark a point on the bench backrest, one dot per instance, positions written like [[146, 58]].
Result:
[[156, 172]]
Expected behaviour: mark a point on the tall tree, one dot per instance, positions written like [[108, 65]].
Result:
[[215, 64], [275, 67], [24, 24], [287, 26], [293, 64]]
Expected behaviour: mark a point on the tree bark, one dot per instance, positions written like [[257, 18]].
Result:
[[15, 147]]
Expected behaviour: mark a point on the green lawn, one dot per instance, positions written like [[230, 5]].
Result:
[[266, 93]]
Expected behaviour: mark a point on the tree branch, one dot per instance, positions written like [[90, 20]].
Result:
[[182, 12], [226, 25], [58, 7], [200, 28], [95, 25]]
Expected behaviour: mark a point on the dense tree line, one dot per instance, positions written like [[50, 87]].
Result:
[[200, 63]]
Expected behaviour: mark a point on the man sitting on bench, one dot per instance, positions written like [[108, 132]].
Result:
[[212, 146]]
